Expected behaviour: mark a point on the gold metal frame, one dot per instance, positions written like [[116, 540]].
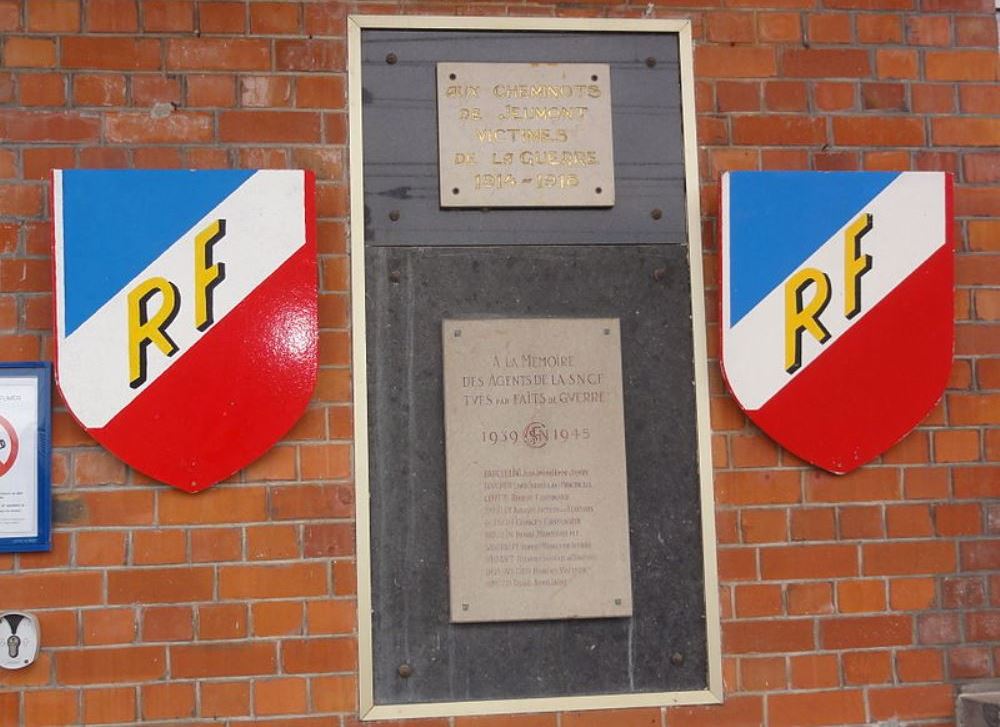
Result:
[[713, 694]]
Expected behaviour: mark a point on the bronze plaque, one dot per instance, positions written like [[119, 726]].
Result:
[[525, 135], [535, 462]]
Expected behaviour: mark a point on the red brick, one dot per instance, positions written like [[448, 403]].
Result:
[[758, 600], [729, 27], [112, 16], [60, 16], [903, 558], [331, 539], [160, 585], [312, 501], [278, 618], [10, 14], [736, 712], [979, 99], [932, 98], [911, 594], [859, 486], [216, 505], [734, 62], [961, 65], [273, 18], [965, 131], [109, 626], [809, 561], [110, 53], [878, 131], [928, 30], [883, 29], [339, 694], [778, 636], [919, 665], [106, 89], [320, 92], [867, 667], [211, 91], [280, 696], [825, 63], [866, 632], [757, 488], [168, 701], [98, 666], [51, 707], [142, 128], [29, 53], [829, 28], [211, 54], [219, 660], [737, 565], [958, 519], [225, 699], [964, 593], [912, 702], [815, 708], [168, 623], [309, 55], [834, 96], [763, 526], [786, 96], [265, 91], [969, 663], [983, 626], [222, 621], [167, 16], [810, 598], [925, 483], [860, 596], [908, 521], [335, 616], [222, 17], [260, 581], [779, 27], [778, 130], [301, 656], [980, 555], [883, 97], [102, 706], [51, 590], [272, 542], [938, 628], [627, 718], [212, 545], [815, 671], [269, 126], [975, 31], [896, 63]]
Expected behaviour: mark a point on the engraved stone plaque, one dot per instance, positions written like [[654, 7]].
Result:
[[525, 135], [535, 466]]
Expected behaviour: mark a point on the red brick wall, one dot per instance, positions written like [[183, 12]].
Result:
[[845, 600]]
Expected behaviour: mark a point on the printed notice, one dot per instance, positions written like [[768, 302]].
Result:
[[18, 457], [535, 449], [525, 135]]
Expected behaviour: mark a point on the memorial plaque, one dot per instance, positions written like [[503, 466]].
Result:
[[525, 135], [535, 463]]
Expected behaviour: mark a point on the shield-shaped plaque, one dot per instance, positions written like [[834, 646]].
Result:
[[185, 314], [837, 306]]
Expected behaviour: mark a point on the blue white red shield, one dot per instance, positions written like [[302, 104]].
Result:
[[837, 306], [185, 314]]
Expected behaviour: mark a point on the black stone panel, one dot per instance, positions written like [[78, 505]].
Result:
[[409, 291], [401, 143]]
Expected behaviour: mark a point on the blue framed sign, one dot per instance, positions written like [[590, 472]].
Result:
[[25, 456]]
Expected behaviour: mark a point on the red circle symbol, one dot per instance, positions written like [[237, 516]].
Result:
[[8, 441]]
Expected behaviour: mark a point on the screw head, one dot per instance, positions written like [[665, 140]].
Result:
[[659, 274], [656, 213], [650, 62], [394, 215], [394, 276], [391, 58], [405, 671], [677, 658]]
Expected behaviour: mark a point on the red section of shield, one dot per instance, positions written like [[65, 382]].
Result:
[[234, 394], [877, 381]]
